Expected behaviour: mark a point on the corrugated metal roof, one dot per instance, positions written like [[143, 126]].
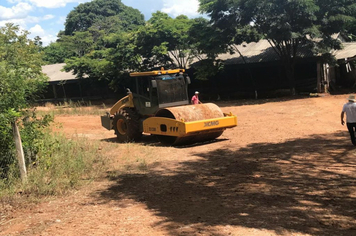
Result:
[[257, 52], [253, 52], [55, 74], [348, 51]]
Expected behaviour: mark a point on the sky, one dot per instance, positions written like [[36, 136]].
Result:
[[45, 18]]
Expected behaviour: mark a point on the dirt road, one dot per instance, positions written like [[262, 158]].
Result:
[[287, 169]]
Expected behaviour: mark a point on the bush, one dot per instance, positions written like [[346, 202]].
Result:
[[61, 165], [54, 163], [33, 135], [6, 147], [32, 131]]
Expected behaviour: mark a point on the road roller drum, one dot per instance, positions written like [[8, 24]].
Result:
[[191, 113]]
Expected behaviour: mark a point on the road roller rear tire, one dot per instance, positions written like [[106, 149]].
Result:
[[126, 124]]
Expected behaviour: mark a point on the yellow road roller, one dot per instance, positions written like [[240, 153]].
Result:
[[160, 106]]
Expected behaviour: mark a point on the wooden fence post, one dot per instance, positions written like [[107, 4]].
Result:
[[19, 151]]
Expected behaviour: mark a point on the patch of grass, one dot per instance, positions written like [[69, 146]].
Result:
[[61, 165], [134, 159], [73, 108], [142, 165]]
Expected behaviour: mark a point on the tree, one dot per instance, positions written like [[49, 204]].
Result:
[[165, 41], [97, 12], [99, 35], [109, 59], [351, 30], [56, 52], [21, 80], [289, 25], [20, 68], [206, 39]]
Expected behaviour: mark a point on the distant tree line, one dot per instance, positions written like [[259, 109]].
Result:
[[105, 39]]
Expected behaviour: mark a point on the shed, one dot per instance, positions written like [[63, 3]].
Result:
[[65, 85], [260, 69], [344, 74]]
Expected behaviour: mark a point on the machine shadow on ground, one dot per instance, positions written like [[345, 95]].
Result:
[[151, 140], [145, 140], [305, 185]]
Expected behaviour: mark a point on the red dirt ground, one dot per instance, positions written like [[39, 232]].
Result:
[[288, 169]]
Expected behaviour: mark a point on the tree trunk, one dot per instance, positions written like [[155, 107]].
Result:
[[19, 151], [290, 77], [287, 52], [249, 71]]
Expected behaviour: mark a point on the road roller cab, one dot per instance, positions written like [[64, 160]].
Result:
[[159, 105]]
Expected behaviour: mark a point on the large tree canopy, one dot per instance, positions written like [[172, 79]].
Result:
[[288, 25], [102, 56], [351, 30], [57, 52], [98, 41], [103, 13], [165, 41]]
